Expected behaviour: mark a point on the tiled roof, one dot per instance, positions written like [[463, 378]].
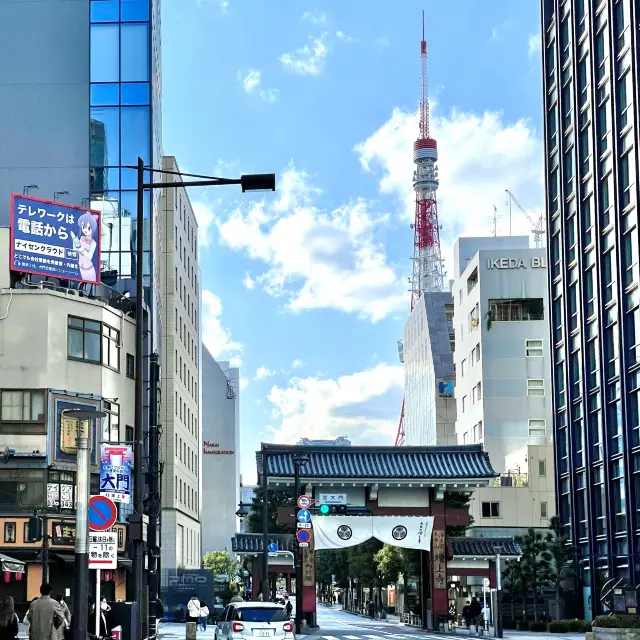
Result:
[[419, 463], [484, 547], [252, 542]]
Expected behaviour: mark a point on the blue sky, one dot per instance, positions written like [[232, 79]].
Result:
[[305, 288]]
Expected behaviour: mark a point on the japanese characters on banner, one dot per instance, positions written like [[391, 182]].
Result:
[[308, 566], [53, 239], [103, 550], [439, 560], [115, 472]]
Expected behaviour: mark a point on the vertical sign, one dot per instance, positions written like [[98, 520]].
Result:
[[439, 561], [54, 239], [308, 566], [115, 472]]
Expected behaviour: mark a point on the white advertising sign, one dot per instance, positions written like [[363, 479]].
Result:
[[103, 550]]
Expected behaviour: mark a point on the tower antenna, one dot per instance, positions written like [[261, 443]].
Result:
[[428, 272]]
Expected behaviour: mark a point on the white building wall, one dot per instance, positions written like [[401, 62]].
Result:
[[220, 455], [181, 351], [493, 371]]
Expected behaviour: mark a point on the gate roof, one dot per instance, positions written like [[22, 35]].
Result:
[[394, 465]]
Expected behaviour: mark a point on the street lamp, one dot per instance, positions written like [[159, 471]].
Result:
[[299, 461], [258, 182], [27, 188], [80, 618], [58, 194]]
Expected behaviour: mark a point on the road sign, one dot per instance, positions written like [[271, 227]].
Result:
[[333, 498], [303, 544], [304, 525], [102, 513], [103, 550], [303, 535], [304, 502], [304, 515], [485, 582], [273, 547]]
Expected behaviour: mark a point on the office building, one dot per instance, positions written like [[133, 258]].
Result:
[[59, 350], [590, 72], [181, 352], [220, 452], [429, 372]]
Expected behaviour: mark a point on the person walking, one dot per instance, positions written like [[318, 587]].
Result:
[[101, 611], [474, 611], [289, 607], [466, 614], [8, 620], [193, 610], [45, 616], [204, 614]]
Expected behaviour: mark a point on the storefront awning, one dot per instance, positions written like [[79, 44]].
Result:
[[127, 563], [65, 557], [11, 565]]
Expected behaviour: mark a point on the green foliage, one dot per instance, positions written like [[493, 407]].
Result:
[[457, 500], [509, 624], [522, 625], [332, 562], [561, 556], [558, 626], [277, 498], [578, 626], [389, 563], [538, 626], [617, 622], [361, 560], [220, 562]]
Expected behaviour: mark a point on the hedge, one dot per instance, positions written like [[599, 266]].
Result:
[[617, 622]]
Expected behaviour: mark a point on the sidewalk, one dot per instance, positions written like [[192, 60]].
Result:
[[390, 617]]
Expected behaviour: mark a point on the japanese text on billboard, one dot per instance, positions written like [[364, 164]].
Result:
[[115, 472]]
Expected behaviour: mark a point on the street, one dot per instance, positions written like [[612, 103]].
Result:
[[335, 624]]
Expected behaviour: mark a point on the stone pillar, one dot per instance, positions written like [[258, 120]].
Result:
[[439, 575]]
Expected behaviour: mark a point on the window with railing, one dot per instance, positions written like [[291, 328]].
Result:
[[22, 489], [516, 310]]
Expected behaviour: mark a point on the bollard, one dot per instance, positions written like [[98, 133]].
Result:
[[191, 630]]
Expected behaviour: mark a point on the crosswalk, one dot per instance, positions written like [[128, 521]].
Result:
[[384, 635]]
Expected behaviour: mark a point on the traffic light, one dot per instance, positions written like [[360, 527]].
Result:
[[333, 509], [34, 529]]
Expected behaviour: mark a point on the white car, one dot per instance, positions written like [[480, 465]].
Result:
[[254, 620]]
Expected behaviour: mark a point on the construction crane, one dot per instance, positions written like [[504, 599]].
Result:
[[538, 229], [428, 271]]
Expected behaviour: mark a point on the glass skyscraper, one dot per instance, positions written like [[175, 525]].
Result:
[[590, 71]]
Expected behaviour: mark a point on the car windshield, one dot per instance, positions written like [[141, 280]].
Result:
[[261, 614]]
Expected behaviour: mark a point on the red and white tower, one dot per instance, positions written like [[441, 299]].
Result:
[[428, 272]]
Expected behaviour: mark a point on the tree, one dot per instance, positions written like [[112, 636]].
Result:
[[457, 500], [515, 585], [277, 498], [535, 563], [220, 562], [561, 555], [389, 564]]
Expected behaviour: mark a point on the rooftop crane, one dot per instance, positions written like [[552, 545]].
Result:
[[538, 227]]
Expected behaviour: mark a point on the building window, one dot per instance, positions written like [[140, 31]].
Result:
[[21, 489], [516, 310], [463, 368], [543, 510], [60, 491], [537, 428], [533, 348], [111, 424], [110, 347], [477, 432], [129, 434], [535, 387], [131, 366], [22, 413], [83, 340], [490, 509], [9, 532], [464, 403], [542, 468], [465, 438], [476, 393]]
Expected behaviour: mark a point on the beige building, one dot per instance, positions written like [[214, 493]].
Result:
[[181, 356], [58, 350]]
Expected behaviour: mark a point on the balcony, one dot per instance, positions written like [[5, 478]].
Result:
[[517, 480]]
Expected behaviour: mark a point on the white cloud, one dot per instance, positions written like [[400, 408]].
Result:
[[495, 34], [317, 259], [248, 281], [534, 45], [235, 362], [358, 405], [296, 364], [308, 60], [263, 373], [315, 17], [341, 35], [223, 5], [479, 157], [243, 383], [253, 81], [215, 337], [204, 216]]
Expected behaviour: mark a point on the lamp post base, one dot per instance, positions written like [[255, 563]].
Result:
[[80, 617]]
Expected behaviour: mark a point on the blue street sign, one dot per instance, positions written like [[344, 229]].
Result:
[[303, 535], [102, 513], [273, 547], [304, 515]]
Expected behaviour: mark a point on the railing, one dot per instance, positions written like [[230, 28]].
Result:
[[511, 480], [412, 619]]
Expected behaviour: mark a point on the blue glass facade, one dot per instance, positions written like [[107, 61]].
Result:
[[590, 71], [125, 93]]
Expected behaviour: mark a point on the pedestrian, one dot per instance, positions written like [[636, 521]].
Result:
[[193, 609], [289, 607], [8, 620], [372, 609], [100, 611], [45, 616], [204, 614], [260, 597], [474, 611], [486, 616], [466, 614]]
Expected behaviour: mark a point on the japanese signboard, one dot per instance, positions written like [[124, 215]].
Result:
[[54, 239], [115, 472], [103, 550], [64, 533], [439, 560], [308, 566]]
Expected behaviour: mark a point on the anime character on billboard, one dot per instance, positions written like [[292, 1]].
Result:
[[86, 246]]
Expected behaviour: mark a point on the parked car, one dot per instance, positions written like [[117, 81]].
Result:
[[254, 620]]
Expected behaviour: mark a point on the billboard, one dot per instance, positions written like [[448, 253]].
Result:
[[54, 239], [115, 472]]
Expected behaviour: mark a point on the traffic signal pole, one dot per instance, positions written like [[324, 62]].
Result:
[[298, 563]]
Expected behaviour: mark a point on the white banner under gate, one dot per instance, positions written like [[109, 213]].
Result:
[[340, 532]]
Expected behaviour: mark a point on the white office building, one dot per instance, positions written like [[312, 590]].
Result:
[[181, 353], [220, 453]]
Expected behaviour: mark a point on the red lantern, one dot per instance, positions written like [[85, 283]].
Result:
[[6, 575], [19, 577]]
